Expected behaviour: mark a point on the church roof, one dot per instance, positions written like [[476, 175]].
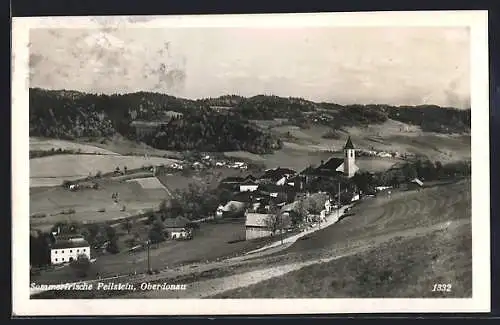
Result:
[[332, 164], [348, 144]]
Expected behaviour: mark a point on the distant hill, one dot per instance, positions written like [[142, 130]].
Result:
[[70, 114]]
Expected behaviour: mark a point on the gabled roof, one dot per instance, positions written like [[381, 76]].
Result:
[[250, 177], [64, 243], [348, 144], [260, 220], [248, 182], [332, 164], [277, 173]]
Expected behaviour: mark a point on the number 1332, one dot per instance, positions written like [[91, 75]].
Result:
[[441, 287]]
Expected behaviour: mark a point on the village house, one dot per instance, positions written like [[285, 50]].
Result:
[[248, 185], [68, 249], [258, 225], [177, 228]]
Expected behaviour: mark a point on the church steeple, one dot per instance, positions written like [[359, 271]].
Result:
[[348, 144], [350, 167]]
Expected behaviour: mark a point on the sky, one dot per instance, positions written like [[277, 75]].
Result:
[[344, 65]]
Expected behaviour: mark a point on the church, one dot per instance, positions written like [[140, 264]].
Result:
[[345, 166]]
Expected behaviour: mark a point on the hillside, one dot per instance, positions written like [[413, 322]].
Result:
[[75, 115]]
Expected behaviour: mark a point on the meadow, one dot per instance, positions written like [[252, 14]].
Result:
[[53, 170], [91, 205], [42, 144]]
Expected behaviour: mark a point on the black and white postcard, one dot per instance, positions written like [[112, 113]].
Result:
[[267, 164]]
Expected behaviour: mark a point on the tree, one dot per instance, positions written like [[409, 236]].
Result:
[[81, 265], [156, 233], [113, 247], [127, 225]]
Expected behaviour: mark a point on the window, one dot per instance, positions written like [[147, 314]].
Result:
[[346, 153], [71, 251], [55, 252], [62, 252], [78, 251], [62, 259], [56, 259]]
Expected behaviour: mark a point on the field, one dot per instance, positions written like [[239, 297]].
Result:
[[86, 203], [304, 147], [53, 170], [124, 146], [41, 144], [148, 183], [211, 241]]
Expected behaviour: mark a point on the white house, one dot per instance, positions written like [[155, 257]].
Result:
[[68, 250], [248, 186]]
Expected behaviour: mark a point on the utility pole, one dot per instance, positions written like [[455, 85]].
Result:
[[338, 203], [281, 226], [148, 243]]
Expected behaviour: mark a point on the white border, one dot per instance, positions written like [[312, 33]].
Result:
[[478, 23]]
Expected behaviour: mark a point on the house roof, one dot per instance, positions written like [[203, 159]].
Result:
[[260, 220], [178, 222], [277, 173], [250, 177], [289, 207], [348, 144], [242, 196], [234, 179], [64, 243], [248, 182]]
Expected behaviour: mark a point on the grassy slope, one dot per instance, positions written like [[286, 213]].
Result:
[[403, 268], [374, 224], [87, 202]]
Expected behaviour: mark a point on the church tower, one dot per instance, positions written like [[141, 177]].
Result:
[[350, 167]]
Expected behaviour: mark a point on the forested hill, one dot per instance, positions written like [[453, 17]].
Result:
[[72, 114]]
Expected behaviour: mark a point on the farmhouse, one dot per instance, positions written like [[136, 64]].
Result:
[[177, 228], [68, 250]]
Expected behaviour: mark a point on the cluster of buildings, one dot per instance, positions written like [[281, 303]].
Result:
[[280, 188]]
